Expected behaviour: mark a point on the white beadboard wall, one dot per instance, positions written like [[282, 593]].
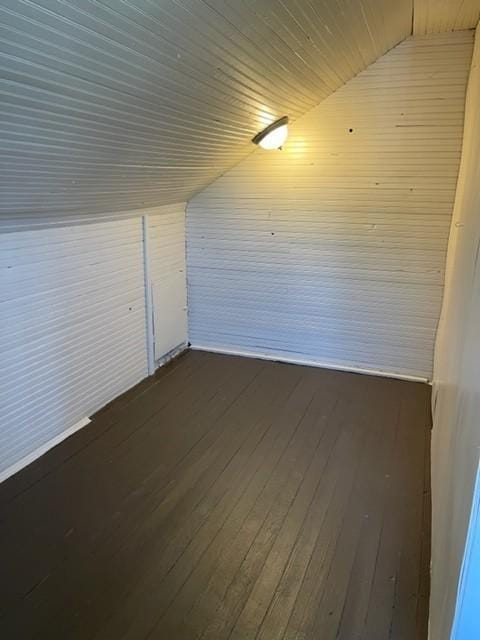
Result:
[[166, 254], [455, 587], [332, 250], [73, 320], [73, 328]]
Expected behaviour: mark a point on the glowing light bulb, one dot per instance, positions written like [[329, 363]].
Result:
[[274, 136], [274, 139]]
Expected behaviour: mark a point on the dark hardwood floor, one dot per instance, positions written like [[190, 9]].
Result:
[[227, 498]]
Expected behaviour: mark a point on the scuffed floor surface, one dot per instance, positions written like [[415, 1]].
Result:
[[230, 498]]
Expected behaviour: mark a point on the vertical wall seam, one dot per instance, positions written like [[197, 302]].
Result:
[[149, 319]]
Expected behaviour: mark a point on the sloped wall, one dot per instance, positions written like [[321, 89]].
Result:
[[456, 426], [332, 250]]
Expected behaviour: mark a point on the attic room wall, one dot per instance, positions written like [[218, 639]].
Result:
[[73, 320], [456, 378], [332, 250]]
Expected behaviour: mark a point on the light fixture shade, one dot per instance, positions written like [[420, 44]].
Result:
[[274, 136]]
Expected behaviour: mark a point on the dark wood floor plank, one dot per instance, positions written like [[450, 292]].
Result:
[[322, 517], [230, 509], [218, 475], [408, 576], [244, 554], [183, 516], [266, 468], [66, 506], [156, 594], [321, 567], [402, 505], [235, 488], [183, 366], [365, 521], [148, 501], [227, 498], [262, 594], [424, 578]]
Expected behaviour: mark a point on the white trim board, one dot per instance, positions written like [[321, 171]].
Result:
[[150, 345], [466, 623], [308, 363], [171, 355], [37, 453]]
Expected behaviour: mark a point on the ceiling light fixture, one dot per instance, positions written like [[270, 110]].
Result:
[[274, 136]]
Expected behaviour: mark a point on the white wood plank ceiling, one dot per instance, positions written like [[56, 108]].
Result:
[[112, 105], [435, 16]]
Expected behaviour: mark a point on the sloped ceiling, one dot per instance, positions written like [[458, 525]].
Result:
[[435, 16], [111, 105]]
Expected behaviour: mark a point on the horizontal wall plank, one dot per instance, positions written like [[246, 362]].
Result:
[[72, 311], [332, 250]]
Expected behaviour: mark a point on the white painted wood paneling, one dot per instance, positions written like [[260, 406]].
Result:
[[456, 404], [435, 16], [168, 278], [332, 251], [72, 317], [107, 106]]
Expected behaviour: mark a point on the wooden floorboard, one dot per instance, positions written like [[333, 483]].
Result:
[[227, 497]]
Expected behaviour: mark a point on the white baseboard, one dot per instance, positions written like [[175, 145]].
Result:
[[308, 363], [14, 468], [171, 355]]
